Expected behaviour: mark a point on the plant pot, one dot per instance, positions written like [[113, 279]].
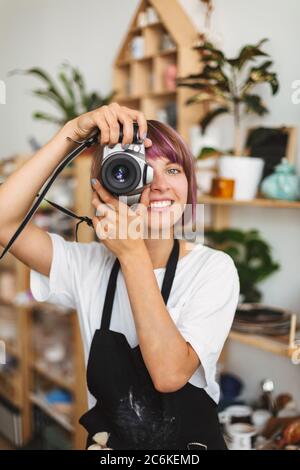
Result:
[[247, 173]]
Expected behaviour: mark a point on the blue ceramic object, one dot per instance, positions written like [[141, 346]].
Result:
[[58, 396], [283, 183]]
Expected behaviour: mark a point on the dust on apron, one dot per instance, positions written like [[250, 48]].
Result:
[[129, 408]]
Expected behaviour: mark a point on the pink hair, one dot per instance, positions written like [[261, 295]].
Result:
[[168, 143]]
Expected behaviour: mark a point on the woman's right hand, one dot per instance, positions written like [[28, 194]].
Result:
[[107, 119]]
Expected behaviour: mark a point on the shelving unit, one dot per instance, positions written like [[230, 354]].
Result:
[[18, 389], [220, 218], [140, 80], [276, 345], [259, 202], [40, 403]]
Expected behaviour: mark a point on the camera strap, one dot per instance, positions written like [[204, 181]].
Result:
[[93, 140]]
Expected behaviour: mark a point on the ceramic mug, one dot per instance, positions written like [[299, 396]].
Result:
[[260, 419], [239, 414], [240, 436]]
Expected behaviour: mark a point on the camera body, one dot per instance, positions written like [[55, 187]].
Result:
[[124, 172]]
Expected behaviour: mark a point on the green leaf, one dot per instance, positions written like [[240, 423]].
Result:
[[208, 50], [254, 104], [47, 117], [50, 95], [79, 80], [251, 255], [210, 116], [262, 75], [68, 87], [248, 53], [207, 151], [39, 73], [202, 97]]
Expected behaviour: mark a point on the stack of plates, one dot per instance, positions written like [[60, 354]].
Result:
[[261, 320]]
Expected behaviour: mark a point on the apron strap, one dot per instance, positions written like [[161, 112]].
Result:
[[109, 297], [170, 271], [112, 283]]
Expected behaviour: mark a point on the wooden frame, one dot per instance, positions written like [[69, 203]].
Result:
[[139, 82], [28, 368], [291, 145]]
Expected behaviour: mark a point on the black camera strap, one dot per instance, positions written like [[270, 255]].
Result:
[[93, 140]]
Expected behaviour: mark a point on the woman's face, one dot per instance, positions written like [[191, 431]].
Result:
[[168, 194]]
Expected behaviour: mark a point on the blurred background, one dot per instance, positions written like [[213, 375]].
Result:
[[225, 74]]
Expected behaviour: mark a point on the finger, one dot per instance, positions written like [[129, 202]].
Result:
[[102, 210], [101, 123], [140, 118], [148, 143], [127, 121], [145, 197], [104, 195], [142, 207], [99, 228], [114, 127]]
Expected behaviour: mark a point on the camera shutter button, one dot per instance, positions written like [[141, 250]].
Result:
[[136, 148]]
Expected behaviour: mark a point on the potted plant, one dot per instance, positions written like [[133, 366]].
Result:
[[226, 84], [71, 100], [251, 255]]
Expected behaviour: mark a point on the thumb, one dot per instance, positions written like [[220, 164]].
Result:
[[145, 197]]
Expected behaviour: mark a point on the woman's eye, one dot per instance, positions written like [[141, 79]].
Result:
[[172, 170]]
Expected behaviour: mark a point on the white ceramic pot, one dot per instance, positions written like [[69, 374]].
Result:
[[246, 172], [206, 170], [240, 436]]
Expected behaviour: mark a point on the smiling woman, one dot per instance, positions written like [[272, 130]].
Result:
[[153, 318], [167, 143], [174, 183]]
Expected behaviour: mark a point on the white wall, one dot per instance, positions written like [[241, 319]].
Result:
[[47, 32]]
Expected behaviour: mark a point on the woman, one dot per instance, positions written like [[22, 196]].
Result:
[[154, 312]]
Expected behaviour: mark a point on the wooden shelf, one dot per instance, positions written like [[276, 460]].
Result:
[[162, 53], [45, 371], [44, 406], [275, 345], [272, 203], [139, 29], [161, 94], [152, 94], [10, 388], [12, 350], [134, 79], [16, 388]]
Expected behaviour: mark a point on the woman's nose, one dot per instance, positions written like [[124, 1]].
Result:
[[159, 182]]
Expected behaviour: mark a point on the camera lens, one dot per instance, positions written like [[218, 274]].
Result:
[[120, 173]]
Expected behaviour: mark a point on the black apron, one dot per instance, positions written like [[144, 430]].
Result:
[[129, 408]]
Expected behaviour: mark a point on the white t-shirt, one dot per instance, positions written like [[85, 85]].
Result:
[[202, 301]]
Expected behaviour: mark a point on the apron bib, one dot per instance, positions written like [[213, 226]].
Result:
[[129, 408]]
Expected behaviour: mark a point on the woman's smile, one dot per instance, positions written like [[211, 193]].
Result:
[[160, 205]]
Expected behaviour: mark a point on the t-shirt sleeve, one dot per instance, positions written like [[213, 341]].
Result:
[[207, 316], [58, 288]]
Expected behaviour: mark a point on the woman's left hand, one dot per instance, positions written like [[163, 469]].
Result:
[[118, 227]]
